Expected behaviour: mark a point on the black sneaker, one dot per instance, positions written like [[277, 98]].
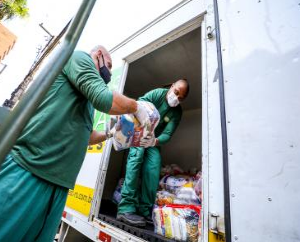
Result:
[[149, 220], [131, 219]]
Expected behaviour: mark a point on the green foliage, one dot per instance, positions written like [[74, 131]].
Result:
[[13, 8]]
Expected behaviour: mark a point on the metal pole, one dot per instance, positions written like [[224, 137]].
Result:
[[16, 121]]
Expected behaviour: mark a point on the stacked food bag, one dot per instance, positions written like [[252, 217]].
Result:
[[117, 196], [178, 204], [128, 131], [179, 222]]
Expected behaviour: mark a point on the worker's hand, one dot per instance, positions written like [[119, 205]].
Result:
[[143, 117], [110, 127], [148, 141]]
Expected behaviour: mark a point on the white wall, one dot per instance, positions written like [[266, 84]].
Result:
[[184, 148]]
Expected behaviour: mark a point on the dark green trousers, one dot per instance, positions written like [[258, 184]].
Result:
[[144, 163], [30, 208]]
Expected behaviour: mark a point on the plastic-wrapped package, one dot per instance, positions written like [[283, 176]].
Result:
[[173, 183], [168, 222], [186, 195], [158, 221], [128, 131], [164, 198], [198, 185], [117, 193], [187, 189], [179, 222]]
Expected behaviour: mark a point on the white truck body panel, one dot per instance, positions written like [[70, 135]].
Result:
[[261, 60]]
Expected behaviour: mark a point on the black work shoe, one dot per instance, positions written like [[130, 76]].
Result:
[[131, 219], [149, 220]]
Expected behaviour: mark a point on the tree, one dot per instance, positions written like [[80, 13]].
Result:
[[13, 8]]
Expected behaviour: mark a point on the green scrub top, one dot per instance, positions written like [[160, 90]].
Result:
[[169, 116], [53, 144]]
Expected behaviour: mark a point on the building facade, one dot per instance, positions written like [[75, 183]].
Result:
[[7, 41]]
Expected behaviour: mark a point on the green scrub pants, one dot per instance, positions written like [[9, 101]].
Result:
[[30, 208], [145, 163]]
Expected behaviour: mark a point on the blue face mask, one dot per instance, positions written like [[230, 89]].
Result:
[[104, 72]]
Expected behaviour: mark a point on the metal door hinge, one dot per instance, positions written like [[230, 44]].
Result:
[[210, 32], [216, 223]]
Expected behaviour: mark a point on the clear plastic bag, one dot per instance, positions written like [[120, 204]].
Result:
[[164, 198], [183, 189], [117, 193], [198, 185], [128, 131], [186, 195], [179, 222], [173, 183]]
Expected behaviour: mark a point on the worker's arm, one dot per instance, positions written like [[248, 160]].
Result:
[[97, 137], [84, 76], [169, 130], [122, 104], [167, 133], [164, 137], [82, 73]]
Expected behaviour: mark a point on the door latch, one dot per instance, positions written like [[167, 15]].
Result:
[[210, 31]]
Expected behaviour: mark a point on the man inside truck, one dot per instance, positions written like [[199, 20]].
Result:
[[135, 207], [45, 161]]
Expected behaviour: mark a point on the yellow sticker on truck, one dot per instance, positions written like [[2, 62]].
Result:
[[97, 148], [216, 237], [80, 199]]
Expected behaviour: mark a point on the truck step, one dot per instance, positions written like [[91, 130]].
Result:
[[143, 233]]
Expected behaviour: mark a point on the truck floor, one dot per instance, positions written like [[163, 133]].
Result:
[[108, 212]]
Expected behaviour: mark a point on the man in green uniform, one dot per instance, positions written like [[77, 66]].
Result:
[[46, 159], [147, 161]]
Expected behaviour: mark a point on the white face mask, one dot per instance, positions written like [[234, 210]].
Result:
[[172, 99]]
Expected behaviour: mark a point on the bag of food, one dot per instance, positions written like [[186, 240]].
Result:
[[128, 131], [186, 195], [117, 193], [173, 183], [164, 198], [179, 222], [198, 185]]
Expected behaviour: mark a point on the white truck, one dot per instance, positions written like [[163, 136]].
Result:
[[240, 123]]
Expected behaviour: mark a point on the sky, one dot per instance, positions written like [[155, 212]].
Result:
[[110, 22]]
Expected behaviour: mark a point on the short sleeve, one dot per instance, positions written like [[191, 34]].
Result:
[[82, 73]]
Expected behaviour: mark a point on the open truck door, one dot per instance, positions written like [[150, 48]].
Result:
[[260, 58]]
